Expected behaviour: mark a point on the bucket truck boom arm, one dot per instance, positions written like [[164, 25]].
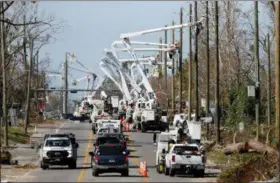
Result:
[[126, 41]]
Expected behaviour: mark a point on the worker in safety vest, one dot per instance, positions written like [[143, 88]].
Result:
[[129, 112]]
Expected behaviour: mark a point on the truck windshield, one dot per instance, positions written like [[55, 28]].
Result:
[[110, 150], [183, 149], [58, 143]]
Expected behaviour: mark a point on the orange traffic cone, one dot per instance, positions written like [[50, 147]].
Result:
[[143, 168]]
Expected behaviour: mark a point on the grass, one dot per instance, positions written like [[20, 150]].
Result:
[[16, 135]]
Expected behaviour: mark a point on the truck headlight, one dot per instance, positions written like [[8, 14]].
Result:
[[44, 153], [69, 153]]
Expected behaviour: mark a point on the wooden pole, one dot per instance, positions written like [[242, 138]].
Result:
[[217, 99], [27, 109], [173, 75], [196, 66], [268, 82], [257, 66], [277, 73], [180, 61], [4, 93], [190, 66], [165, 61], [65, 84], [207, 67]]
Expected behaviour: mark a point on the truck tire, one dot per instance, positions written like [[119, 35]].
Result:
[[199, 173], [73, 165], [44, 166], [166, 171], [125, 173], [95, 173], [172, 172], [143, 128]]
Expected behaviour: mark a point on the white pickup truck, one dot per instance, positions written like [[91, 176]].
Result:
[[184, 159]]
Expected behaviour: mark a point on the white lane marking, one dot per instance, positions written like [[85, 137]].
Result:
[[57, 130]]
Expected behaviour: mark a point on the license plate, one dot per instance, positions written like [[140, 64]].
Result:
[[112, 161], [57, 159]]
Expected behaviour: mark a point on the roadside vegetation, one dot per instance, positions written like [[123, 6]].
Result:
[[237, 72]]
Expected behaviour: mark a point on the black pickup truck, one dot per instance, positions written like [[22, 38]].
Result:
[[110, 158]]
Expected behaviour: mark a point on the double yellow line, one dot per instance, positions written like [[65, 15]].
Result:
[[86, 159], [89, 145]]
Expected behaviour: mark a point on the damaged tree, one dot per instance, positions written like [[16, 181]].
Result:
[[251, 145]]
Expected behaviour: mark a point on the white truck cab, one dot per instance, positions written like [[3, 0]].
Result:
[[185, 158], [58, 151], [107, 123]]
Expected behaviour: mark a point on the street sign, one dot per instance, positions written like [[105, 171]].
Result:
[[251, 91], [203, 103]]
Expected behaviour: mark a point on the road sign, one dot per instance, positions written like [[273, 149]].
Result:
[[251, 91]]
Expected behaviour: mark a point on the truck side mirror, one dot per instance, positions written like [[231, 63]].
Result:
[[76, 145]]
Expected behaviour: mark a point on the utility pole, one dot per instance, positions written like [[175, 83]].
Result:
[[173, 75], [4, 93], [268, 82], [27, 109], [37, 81], [24, 46], [217, 99], [165, 61], [65, 84], [196, 65], [277, 75], [277, 71], [207, 67], [190, 66], [160, 56], [180, 61], [257, 72]]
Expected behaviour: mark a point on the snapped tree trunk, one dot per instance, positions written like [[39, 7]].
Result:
[[241, 147]]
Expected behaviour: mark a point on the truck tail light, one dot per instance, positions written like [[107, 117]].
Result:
[[96, 159], [173, 158], [126, 158]]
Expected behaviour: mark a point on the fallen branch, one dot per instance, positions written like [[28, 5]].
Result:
[[261, 148], [241, 147], [244, 147]]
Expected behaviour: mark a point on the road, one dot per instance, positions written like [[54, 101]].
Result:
[[141, 148]]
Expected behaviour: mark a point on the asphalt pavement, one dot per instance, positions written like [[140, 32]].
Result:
[[141, 148]]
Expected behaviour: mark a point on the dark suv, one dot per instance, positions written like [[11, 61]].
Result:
[[110, 158]]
